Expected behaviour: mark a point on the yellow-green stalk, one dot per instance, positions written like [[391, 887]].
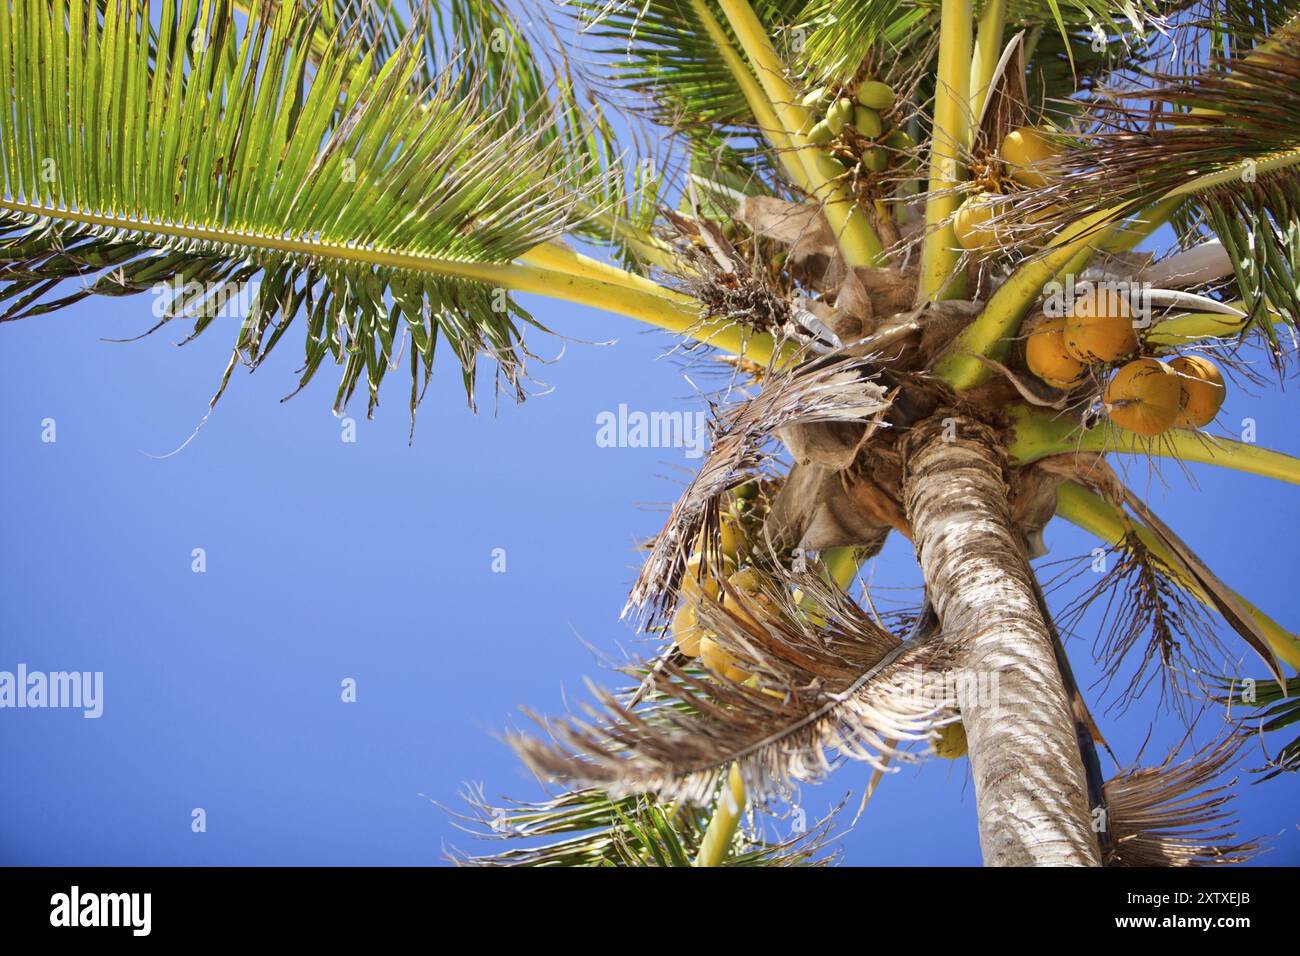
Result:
[[759, 104], [939, 278], [988, 50], [664, 308], [991, 332], [1038, 433], [726, 818], [858, 242]]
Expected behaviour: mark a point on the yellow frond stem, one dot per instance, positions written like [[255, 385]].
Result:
[[758, 102], [663, 308], [726, 818], [1147, 221], [940, 254], [988, 50], [1039, 434], [858, 242], [560, 258]]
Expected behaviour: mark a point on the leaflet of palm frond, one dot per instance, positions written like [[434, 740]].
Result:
[[297, 177], [633, 831], [521, 74], [660, 53], [1188, 570], [827, 683], [1270, 706], [848, 32], [1175, 814], [829, 389]]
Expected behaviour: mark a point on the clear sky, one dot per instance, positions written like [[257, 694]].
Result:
[[373, 561]]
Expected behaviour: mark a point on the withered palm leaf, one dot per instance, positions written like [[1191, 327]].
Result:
[[827, 683]]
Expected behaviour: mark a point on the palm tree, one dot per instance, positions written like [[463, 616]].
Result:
[[869, 210]]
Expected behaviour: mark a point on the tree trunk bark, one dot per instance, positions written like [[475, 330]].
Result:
[[1029, 779]]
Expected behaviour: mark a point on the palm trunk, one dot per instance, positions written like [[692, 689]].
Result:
[[1029, 779]]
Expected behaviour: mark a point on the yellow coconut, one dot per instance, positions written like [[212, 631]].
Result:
[[972, 223], [748, 582], [1099, 328], [1047, 357], [692, 586], [686, 630], [1030, 155], [732, 534], [1202, 390], [952, 742], [1144, 397], [716, 659]]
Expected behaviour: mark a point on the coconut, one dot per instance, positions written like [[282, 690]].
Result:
[[692, 587], [971, 224], [686, 630], [1047, 357], [876, 95], [952, 742], [1030, 155], [839, 115], [867, 122], [1144, 397], [716, 659], [1202, 390], [1099, 328]]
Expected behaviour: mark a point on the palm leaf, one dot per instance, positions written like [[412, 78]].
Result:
[[845, 33], [827, 683], [1176, 814], [658, 53], [588, 828], [376, 208], [1277, 706]]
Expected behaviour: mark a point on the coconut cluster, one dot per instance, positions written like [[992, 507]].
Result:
[[1030, 155], [832, 111], [739, 524], [1146, 395]]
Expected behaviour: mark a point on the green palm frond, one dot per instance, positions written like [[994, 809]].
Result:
[[1276, 707], [846, 32], [588, 828], [378, 210], [659, 53], [527, 84]]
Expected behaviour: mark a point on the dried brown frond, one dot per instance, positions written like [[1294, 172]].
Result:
[[742, 298], [825, 683], [833, 389], [1175, 814], [1144, 609]]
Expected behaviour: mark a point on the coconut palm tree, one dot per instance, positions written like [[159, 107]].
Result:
[[894, 222]]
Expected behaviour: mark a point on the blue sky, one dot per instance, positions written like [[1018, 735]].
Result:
[[372, 560]]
